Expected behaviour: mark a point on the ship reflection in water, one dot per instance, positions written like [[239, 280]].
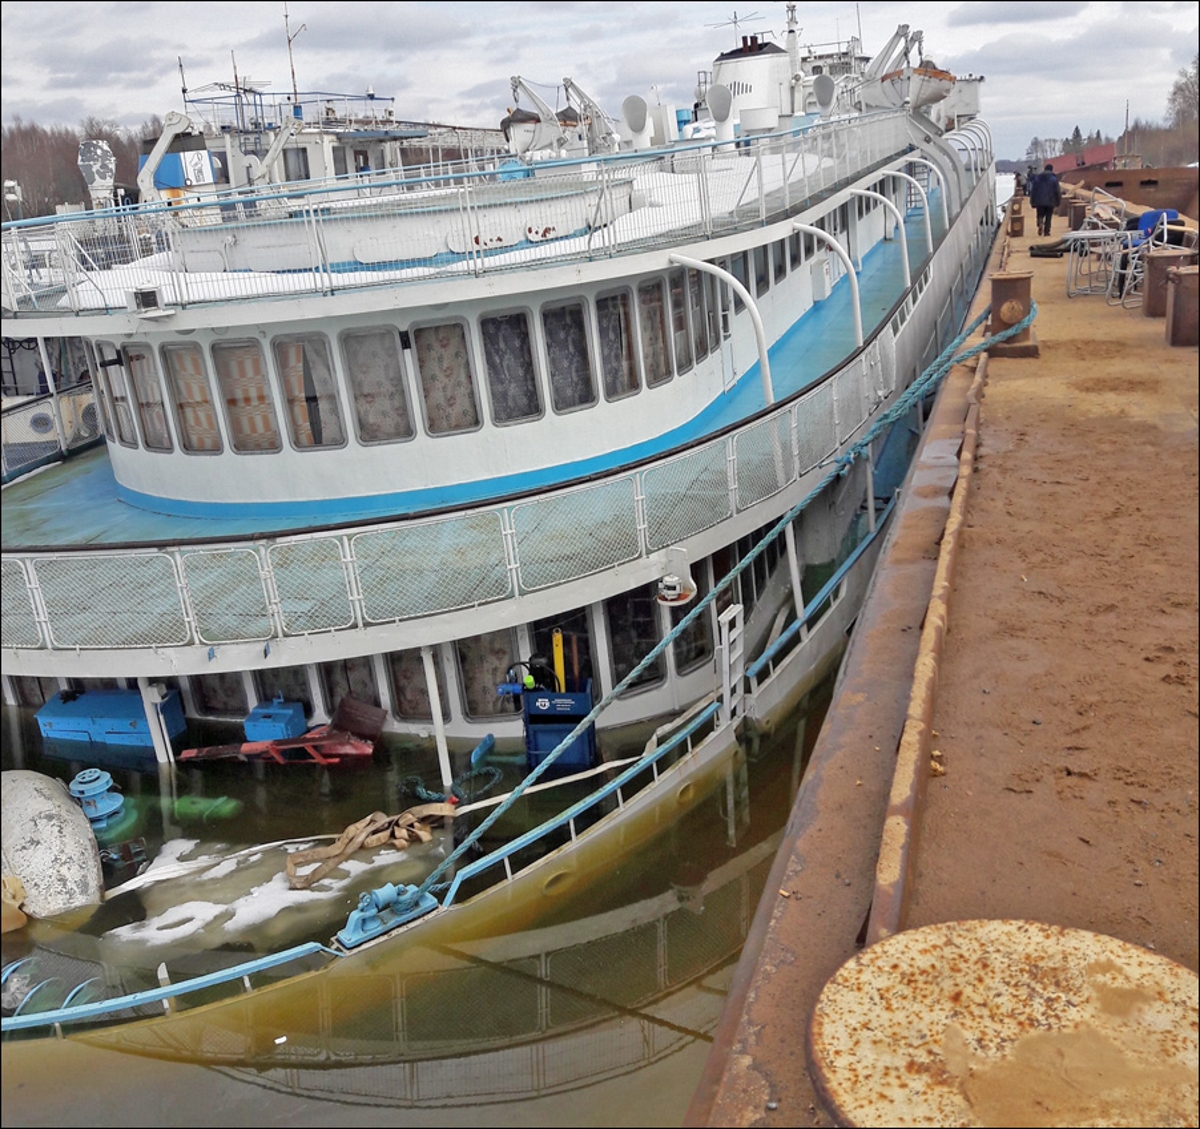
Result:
[[586, 1005]]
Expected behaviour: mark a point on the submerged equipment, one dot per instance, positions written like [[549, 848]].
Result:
[[382, 910]]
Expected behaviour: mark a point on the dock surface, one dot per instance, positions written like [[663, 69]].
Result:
[[1056, 775]]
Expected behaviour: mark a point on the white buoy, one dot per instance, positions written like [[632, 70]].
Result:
[[48, 844]]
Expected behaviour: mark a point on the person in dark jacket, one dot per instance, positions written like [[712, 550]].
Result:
[[1045, 193]]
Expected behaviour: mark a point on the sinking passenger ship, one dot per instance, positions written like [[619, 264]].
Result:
[[396, 433]]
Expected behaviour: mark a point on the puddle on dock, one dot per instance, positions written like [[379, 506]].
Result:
[[596, 1005]]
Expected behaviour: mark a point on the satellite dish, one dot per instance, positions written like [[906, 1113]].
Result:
[[720, 102], [635, 112], [824, 90]]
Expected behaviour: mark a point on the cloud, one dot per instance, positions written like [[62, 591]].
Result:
[[1000, 13]]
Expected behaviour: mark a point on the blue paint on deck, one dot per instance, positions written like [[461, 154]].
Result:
[[81, 503]]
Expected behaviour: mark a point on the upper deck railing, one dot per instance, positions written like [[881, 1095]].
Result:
[[321, 238]]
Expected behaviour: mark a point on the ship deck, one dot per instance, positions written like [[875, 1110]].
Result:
[[1060, 704], [78, 502]]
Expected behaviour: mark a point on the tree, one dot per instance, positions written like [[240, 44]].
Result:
[[1182, 102]]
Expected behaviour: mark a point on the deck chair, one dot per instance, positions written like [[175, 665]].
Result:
[[1128, 275]]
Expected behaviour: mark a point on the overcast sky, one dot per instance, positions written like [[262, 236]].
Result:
[[1048, 66]]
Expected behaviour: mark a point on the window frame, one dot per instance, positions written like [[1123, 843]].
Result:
[[406, 381], [473, 355]]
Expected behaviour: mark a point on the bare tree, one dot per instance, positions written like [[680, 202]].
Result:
[[1182, 108]]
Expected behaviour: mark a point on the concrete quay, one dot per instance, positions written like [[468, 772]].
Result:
[[1014, 731]]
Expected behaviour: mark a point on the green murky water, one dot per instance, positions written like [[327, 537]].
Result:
[[589, 1007]]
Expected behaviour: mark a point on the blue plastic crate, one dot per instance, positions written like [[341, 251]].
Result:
[[276, 721], [106, 717]]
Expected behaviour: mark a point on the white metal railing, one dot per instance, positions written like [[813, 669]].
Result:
[[380, 573], [45, 427], [317, 238]]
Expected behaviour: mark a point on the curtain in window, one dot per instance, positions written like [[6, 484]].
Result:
[[699, 317], [248, 407], [447, 384], [633, 633], [310, 390], [410, 691], [484, 661], [508, 354], [353, 678], [187, 383], [567, 350], [148, 392], [679, 322], [112, 371], [652, 321], [618, 358], [372, 360]]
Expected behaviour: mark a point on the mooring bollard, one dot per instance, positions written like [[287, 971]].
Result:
[[1183, 318], [1158, 263], [1016, 225], [1011, 301]]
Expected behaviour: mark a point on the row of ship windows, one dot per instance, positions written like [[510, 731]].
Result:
[[628, 339]]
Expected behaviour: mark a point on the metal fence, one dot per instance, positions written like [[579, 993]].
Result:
[[387, 572], [41, 429], [302, 238]]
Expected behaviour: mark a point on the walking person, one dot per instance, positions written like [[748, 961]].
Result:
[[1045, 194]]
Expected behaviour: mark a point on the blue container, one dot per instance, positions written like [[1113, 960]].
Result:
[[276, 721], [549, 716], [106, 717]]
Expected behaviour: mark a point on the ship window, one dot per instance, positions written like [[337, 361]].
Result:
[[762, 270], [447, 382], [652, 321], [508, 355], [571, 384], [700, 323], [578, 664], [220, 695], [376, 377], [112, 376], [187, 383], [795, 249], [717, 295], [779, 259], [295, 164], [679, 322], [309, 390], [341, 166], [618, 354], [100, 391], [483, 662], [248, 407], [289, 681], [633, 631], [739, 267], [349, 678], [694, 645], [410, 690]]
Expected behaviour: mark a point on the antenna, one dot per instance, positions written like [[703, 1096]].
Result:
[[182, 82], [735, 21], [291, 61]]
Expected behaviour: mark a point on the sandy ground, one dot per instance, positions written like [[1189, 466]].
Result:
[[1066, 711]]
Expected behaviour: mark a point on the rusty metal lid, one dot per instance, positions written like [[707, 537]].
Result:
[[1007, 1023]]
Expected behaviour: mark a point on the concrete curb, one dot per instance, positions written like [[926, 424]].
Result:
[[898, 846]]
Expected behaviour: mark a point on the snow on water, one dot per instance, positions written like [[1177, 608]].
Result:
[[215, 897]]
